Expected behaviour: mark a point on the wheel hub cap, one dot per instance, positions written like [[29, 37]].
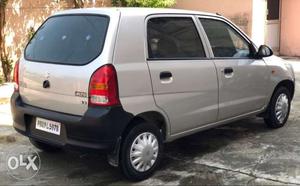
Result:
[[143, 152], [282, 107]]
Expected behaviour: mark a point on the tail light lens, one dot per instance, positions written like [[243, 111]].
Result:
[[16, 76], [103, 88]]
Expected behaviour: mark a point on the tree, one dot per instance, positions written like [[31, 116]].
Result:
[[6, 62], [78, 3], [144, 3], [118, 2]]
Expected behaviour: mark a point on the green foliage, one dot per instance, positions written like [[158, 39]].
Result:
[[144, 3], [119, 3]]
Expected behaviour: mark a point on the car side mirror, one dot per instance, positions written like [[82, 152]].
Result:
[[264, 51]]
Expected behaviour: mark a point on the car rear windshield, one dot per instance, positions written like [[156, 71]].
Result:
[[68, 39]]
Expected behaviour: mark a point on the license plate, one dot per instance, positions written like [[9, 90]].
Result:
[[49, 126]]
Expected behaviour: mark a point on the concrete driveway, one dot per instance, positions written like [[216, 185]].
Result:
[[242, 153]]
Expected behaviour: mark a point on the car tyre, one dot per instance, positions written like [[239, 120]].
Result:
[[279, 108], [43, 146], [141, 152]]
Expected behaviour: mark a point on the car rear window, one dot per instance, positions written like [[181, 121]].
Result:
[[68, 39]]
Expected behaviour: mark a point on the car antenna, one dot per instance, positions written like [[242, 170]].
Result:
[[218, 14]]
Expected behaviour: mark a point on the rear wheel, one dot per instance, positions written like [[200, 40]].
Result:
[[141, 152], [279, 108], [43, 146]]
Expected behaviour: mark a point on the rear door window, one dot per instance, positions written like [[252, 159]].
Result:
[[174, 38], [68, 39]]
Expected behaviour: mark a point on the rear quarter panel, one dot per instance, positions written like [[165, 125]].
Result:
[[135, 88]]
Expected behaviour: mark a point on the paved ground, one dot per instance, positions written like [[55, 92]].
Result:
[[243, 153]]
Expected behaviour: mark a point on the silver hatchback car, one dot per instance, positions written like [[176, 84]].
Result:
[[127, 80]]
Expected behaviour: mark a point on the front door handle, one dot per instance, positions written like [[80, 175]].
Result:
[[166, 77], [228, 72]]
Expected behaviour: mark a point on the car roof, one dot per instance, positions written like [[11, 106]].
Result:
[[134, 11]]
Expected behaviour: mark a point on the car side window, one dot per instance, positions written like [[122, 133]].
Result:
[[225, 41], [173, 38]]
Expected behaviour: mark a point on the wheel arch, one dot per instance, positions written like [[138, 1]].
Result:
[[152, 117], [289, 84]]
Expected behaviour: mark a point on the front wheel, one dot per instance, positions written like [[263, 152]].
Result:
[[279, 108], [141, 152]]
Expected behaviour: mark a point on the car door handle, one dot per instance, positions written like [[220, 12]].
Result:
[[228, 70], [166, 77]]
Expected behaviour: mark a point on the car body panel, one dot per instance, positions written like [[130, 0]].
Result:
[[198, 98], [280, 71], [245, 91], [191, 104]]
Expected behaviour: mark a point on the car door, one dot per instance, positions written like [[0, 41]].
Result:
[[184, 80], [242, 77]]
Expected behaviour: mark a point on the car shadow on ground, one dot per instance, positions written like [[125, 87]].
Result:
[[214, 139], [79, 166]]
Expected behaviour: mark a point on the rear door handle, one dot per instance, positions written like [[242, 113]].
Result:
[[228, 72], [166, 77]]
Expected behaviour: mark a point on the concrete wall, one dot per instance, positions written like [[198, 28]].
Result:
[[259, 17], [238, 11], [23, 14], [290, 28]]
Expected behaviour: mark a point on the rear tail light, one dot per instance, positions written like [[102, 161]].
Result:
[[16, 76], [103, 88]]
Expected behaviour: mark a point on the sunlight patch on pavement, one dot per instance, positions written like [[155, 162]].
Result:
[[4, 101], [6, 90], [296, 64], [5, 115]]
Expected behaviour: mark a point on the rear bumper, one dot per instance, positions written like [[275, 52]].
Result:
[[99, 128]]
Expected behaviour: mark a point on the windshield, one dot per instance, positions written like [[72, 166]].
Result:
[[69, 39]]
